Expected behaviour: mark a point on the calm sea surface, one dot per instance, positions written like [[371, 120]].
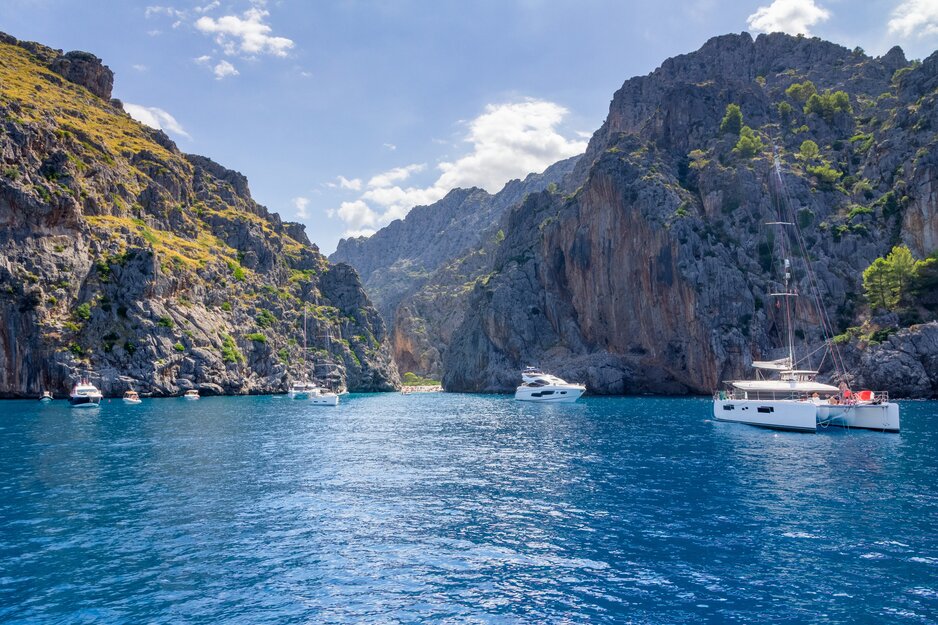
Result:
[[459, 509]]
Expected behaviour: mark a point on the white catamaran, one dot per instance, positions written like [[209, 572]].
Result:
[[309, 390], [785, 393]]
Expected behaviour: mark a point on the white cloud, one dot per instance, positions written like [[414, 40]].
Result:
[[155, 118], [211, 6], [300, 204], [915, 17], [364, 232], [224, 69], [398, 174], [357, 214], [788, 16], [355, 184], [510, 141], [247, 35], [507, 141], [203, 60], [139, 67], [396, 202], [150, 11], [390, 146]]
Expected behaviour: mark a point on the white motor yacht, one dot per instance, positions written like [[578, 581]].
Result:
[[84, 395], [45, 397], [131, 397], [543, 387], [191, 394]]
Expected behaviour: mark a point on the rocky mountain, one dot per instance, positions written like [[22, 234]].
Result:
[[651, 270], [125, 259], [418, 269]]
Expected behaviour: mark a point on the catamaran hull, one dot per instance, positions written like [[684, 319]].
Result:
[[807, 416], [880, 417], [330, 399], [798, 416]]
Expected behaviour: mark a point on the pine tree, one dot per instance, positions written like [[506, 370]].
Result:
[[749, 143], [902, 267], [732, 122], [876, 285], [889, 282]]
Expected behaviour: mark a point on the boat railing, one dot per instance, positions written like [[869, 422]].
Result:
[[855, 397]]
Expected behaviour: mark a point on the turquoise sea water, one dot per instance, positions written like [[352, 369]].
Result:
[[459, 509]]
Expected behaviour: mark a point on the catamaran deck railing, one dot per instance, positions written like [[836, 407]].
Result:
[[855, 397]]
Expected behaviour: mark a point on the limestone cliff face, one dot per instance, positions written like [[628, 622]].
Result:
[[653, 276], [420, 269], [126, 260]]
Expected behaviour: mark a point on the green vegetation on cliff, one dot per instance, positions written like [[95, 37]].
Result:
[[127, 257], [899, 283]]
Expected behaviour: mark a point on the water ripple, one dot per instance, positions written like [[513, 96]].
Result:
[[459, 509]]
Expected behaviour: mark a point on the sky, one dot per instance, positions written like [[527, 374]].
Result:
[[344, 115]]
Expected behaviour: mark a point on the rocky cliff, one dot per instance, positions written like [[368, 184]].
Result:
[[124, 259], [419, 269], [653, 273]]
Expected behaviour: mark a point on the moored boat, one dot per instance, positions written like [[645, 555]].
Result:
[[132, 397], [45, 397], [797, 401], [321, 397], [793, 399], [84, 395], [191, 394], [538, 386], [301, 390]]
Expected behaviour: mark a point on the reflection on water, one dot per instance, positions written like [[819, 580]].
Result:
[[449, 508]]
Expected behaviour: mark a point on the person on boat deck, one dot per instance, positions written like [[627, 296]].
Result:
[[815, 396], [834, 400]]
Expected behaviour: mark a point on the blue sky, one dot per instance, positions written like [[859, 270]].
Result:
[[345, 114]]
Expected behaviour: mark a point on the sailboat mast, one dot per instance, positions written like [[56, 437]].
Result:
[[786, 293], [305, 349]]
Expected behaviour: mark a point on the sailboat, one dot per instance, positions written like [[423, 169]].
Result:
[[309, 390], [785, 393]]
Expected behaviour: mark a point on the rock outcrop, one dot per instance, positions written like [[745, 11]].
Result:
[[650, 269], [906, 363], [123, 259]]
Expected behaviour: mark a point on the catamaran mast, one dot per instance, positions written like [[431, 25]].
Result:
[[787, 293], [305, 350]]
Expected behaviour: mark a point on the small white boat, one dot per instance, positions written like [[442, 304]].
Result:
[[321, 397], [45, 397], [542, 387], [84, 395], [191, 394], [301, 390], [131, 397]]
